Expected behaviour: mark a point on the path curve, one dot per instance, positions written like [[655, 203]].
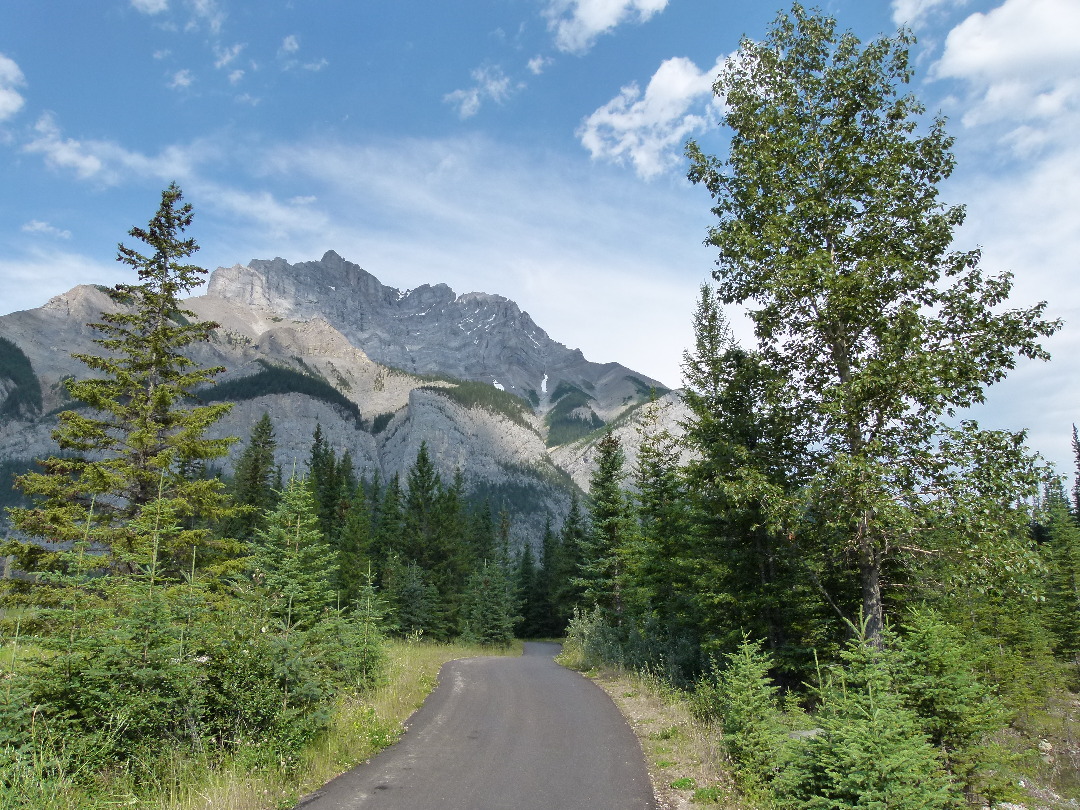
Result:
[[503, 734]]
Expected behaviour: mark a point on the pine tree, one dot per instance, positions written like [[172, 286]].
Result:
[[323, 480], [139, 434], [565, 563], [292, 562], [602, 572], [253, 480], [871, 751], [354, 542], [490, 608], [1063, 580]]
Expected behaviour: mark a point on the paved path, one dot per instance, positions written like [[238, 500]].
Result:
[[503, 734]]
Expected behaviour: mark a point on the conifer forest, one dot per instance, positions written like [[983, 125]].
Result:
[[867, 599]]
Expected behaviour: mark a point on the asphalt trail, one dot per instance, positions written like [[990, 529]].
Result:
[[503, 734]]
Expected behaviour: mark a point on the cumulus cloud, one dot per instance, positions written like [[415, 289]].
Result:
[[226, 56], [577, 23], [1020, 62], [538, 63], [181, 79], [150, 6], [914, 12], [11, 101], [649, 128], [491, 84], [37, 226]]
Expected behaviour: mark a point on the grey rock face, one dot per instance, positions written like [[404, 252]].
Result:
[[430, 330], [333, 321]]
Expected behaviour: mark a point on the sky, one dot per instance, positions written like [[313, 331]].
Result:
[[530, 148]]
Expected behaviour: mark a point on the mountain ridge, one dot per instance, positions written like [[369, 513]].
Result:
[[273, 315]]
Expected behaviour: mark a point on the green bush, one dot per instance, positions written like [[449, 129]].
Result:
[[742, 697], [870, 750]]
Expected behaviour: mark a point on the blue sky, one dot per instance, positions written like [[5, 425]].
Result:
[[527, 148]]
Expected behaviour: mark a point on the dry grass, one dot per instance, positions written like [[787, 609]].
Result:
[[684, 758]]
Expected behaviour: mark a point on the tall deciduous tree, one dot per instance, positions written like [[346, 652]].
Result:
[[139, 433], [831, 230]]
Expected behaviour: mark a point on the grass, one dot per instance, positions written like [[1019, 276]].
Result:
[[361, 726], [684, 756]]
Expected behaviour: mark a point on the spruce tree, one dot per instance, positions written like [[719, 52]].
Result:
[[138, 432], [602, 570], [1063, 579], [490, 609], [253, 480], [292, 562]]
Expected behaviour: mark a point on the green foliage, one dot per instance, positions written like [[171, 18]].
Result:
[[611, 539], [937, 678], [1062, 551], [646, 392], [741, 695], [870, 751], [10, 495], [413, 602], [831, 227], [253, 478], [379, 422], [490, 609], [471, 394], [281, 380], [25, 399], [138, 440], [291, 562]]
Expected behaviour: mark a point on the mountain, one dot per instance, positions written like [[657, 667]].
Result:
[[379, 369]]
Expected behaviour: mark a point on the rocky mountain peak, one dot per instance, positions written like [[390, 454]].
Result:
[[431, 330]]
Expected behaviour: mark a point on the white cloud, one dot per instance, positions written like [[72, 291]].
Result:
[[235, 76], [316, 66], [181, 79], [1020, 62], [912, 13], [37, 226], [577, 23], [108, 162], [11, 77], [60, 152], [226, 56], [491, 85], [32, 279], [150, 6], [206, 12], [289, 45], [649, 128], [538, 63]]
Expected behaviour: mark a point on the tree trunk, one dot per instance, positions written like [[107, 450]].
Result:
[[870, 578]]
